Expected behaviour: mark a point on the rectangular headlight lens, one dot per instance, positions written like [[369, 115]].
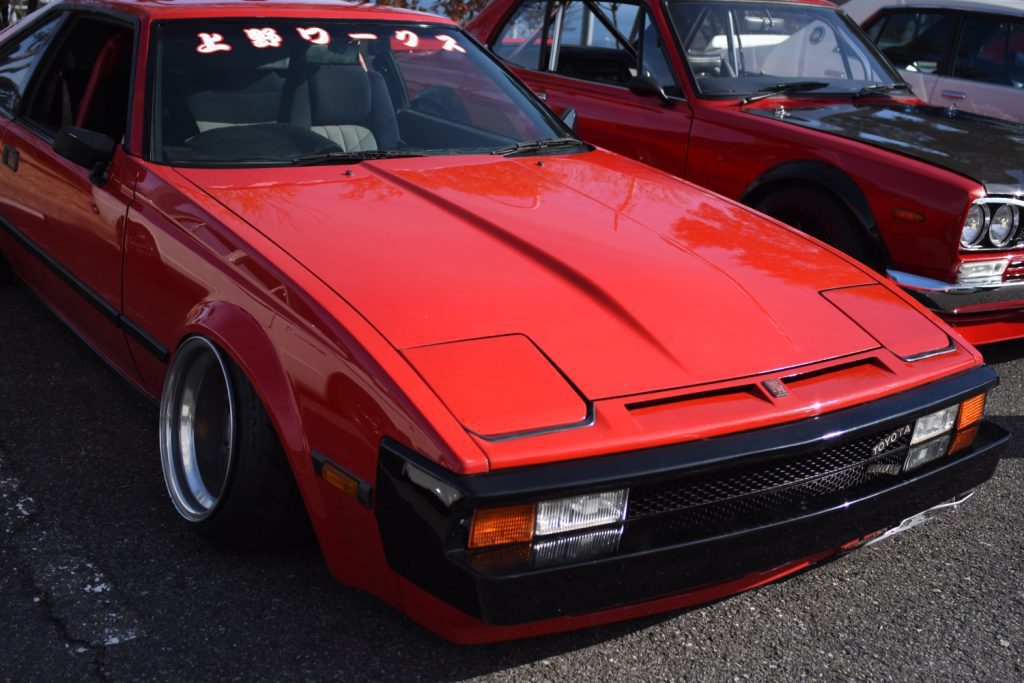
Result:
[[933, 424], [981, 272], [577, 547], [926, 452], [580, 512]]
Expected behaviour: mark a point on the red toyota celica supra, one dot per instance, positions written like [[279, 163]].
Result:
[[518, 384]]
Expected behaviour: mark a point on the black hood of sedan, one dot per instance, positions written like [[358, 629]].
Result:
[[987, 150]]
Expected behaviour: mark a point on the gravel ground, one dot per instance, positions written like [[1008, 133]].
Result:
[[99, 580]]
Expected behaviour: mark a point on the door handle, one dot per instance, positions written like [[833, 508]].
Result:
[[954, 94], [11, 158], [543, 96]]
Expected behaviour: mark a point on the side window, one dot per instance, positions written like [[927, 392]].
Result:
[[598, 41], [914, 41], [991, 50], [610, 42], [17, 61], [86, 84], [653, 60], [520, 40]]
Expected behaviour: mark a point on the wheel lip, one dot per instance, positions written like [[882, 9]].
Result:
[[170, 456]]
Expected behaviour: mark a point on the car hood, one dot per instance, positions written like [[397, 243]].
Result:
[[628, 282], [987, 150]]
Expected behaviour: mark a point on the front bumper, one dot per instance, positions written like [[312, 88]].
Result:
[[422, 511], [947, 298]]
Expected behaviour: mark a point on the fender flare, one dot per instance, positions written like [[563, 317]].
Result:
[[829, 179], [245, 341]]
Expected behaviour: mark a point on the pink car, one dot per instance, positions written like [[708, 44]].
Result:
[[967, 54]]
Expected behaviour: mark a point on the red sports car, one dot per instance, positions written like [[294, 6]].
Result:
[[518, 384], [786, 107]]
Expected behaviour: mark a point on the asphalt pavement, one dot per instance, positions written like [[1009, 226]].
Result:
[[100, 580]]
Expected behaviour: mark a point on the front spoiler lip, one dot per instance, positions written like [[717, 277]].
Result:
[[422, 543], [958, 298]]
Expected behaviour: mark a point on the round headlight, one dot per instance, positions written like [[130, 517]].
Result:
[[1004, 225], [974, 226]]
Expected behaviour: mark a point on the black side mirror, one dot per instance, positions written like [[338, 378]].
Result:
[[569, 118], [645, 86], [88, 149]]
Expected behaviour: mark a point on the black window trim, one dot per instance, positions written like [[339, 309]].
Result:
[[73, 14]]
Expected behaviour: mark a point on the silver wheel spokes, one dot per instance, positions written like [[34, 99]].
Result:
[[197, 429]]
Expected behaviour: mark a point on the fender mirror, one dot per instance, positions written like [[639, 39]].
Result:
[[645, 86], [569, 118], [88, 149]]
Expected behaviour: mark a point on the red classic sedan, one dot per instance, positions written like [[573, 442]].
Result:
[[519, 385], [786, 107]]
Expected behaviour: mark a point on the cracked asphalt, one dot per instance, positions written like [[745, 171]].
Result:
[[100, 580]]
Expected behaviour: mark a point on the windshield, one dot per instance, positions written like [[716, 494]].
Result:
[[736, 49], [265, 91]]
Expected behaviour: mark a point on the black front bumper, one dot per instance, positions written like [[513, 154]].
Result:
[[423, 512]]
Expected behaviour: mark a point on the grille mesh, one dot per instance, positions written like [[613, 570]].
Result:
[[791, 483]]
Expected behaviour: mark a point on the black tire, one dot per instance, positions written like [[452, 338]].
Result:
[[819, 215], [234, 450], [6, 272]]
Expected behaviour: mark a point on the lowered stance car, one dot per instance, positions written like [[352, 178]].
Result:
[[967, 54], [518, 384], [784, 106]]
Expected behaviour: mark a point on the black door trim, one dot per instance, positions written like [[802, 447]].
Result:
[[107, 310]]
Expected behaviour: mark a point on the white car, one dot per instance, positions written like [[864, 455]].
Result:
[[968, 54]]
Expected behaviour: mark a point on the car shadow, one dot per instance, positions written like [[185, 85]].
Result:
[[82, 444], [1003, 352]]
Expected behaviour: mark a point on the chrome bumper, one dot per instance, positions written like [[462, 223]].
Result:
[[948, 297]]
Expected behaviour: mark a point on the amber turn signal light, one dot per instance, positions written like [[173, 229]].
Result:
[[963, 439], [908, 215], [971, 411], [501, 526], [340, 480]]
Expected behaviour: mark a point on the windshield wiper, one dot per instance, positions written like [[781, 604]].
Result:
[[880, 88], [537, 145], [351, 157], [782, 89]]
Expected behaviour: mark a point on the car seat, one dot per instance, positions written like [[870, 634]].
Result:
[[333, 94]]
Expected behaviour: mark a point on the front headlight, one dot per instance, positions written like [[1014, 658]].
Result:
[[974, 226], [521, 523], [1003, 228], [945, 432], [934, 424]]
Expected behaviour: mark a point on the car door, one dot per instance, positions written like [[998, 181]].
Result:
[[987, 71], [20, 54], [917, 43], [583, 54], [67, 219]]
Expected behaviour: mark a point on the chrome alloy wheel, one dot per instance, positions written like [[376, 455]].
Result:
[[197, 429]]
